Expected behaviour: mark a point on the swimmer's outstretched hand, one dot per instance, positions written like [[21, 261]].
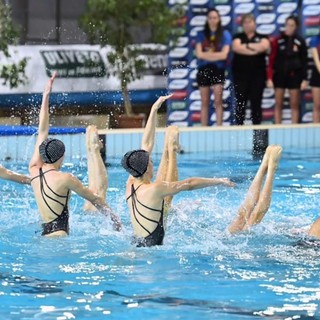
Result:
[[160, 100], [227, 182], [48, 87]]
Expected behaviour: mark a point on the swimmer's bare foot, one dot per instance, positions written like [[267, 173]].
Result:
[[172, 134], [265, 159], [92, 138], [275, 155]]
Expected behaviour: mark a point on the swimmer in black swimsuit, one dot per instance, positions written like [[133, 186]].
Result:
[[51, 186], [156, 236], [148, 201], [61, 222]]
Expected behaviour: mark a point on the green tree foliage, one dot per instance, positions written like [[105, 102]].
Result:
[[114, 22], [12, 73]]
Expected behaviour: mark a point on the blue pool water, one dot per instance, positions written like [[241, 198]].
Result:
[[199, 273]]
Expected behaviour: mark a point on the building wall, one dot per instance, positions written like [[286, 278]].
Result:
[[49, 21], [56, 22]]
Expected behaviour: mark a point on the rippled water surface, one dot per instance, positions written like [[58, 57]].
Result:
[[200, 272]]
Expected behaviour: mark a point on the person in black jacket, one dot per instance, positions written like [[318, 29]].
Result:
[[249, 69], [287, 68]]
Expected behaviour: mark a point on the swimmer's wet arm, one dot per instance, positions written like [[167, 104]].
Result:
[[13, 176], [106, 210], [44, 111], [43, 128], [147, 142], [171, 188], [75, 185]]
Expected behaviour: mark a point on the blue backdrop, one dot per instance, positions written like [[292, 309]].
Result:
[[184, 109]]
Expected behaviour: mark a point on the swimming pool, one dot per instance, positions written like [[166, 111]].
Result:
[[200, 272]]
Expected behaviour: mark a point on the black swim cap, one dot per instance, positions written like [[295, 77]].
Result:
[[136, 162], [51, 150]]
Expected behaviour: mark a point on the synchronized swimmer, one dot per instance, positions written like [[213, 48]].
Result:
[[148, 202]]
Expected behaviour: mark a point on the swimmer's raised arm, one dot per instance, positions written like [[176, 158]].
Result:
[[43, 128], [171, 188], [13, 176], [75, 185], [149, 131]]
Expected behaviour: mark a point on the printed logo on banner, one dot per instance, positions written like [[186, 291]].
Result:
[[225, 20], [195, 117], [178, 52], [266, 29], [268, 92], [194, 31], [155, 61], [221, 1], [180, 123], [286, 113], [244, 8], [312, 10], [193, 64], [307, 117], [226, 116], [199, 10], [307, 96], [224, 10], [198, 2], [178, 105], [180, 42], [198, 21], [179, 63], [227, 84], [179, 95], [308, 106], [172, 2], [267, 103], [266, 18], [310, 32], [237, 21], [282, 18], [74, 63], [225, 94], [178, 73], [178, 115], [195, 95], [306, 2], [287, 7], [268, 114], [265, 8], [195, 106], [311, 21], [193, 74], [178, 84], [194, 85]]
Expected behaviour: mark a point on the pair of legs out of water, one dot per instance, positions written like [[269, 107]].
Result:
[[251, 211]]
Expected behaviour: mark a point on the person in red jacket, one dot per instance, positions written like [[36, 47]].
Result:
[[287, 68]]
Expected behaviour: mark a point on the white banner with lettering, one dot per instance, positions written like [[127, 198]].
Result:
[[82, 68]]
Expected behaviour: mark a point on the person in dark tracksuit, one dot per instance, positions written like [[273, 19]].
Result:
[[287, 68], [249, 69]]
